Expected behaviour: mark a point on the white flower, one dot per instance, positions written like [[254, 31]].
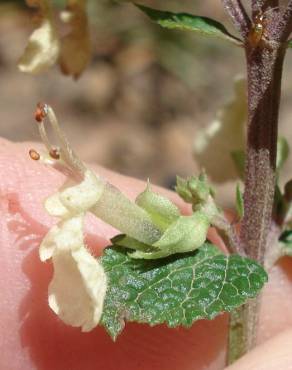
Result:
[[78, 287], [43, 48]]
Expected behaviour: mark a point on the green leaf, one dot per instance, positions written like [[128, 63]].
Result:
[[177, 290], [161, 210], [288, 191], [239, 202], [286, 243], [289, 44], [286, 237], [238, 157], [184, 21], [282, 152]]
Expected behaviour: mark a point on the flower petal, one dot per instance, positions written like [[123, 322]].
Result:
[[82, 197], [78, 288], [42, 50], [67, 235], [55, 207], [76, 46]]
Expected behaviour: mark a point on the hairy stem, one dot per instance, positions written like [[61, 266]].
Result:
[[264, 57], [238, 16], [264, 70], [284, 25], [262, 5]]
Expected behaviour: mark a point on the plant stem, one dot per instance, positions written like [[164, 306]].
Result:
[[265, 47], [264, 72], [238, 16]]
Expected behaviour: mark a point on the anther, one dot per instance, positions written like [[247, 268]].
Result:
[[34, 155], [55, 153], [41, 112]]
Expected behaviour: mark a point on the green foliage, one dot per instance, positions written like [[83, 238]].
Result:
[[286, 243], [286, 237], [177, 290], [239, 202], [288, 191], [282, 152], [238, 157], [184, 21]]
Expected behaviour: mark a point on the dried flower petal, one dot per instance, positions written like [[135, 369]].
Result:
[[42, 50], [76, 46]]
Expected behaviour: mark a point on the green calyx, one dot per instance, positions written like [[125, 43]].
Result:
[[179, 233]]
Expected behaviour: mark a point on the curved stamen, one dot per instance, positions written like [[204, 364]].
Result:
[[65, 152]]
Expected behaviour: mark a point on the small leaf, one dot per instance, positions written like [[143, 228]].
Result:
[[203, 25], [239, 202], [288, 191], [286, 237], [279, 203], [177, 290], [238, 157], [282, 152], [286, 243]]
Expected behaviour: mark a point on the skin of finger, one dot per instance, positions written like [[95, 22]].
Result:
[[274, 354], [42, 341]]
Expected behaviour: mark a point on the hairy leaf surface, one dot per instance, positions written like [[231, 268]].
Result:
[[177, 290]]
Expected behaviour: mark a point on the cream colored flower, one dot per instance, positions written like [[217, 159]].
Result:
[[78, 287], [42, 50], [77, 290]]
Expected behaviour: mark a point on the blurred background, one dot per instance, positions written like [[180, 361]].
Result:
[[141, 102]]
